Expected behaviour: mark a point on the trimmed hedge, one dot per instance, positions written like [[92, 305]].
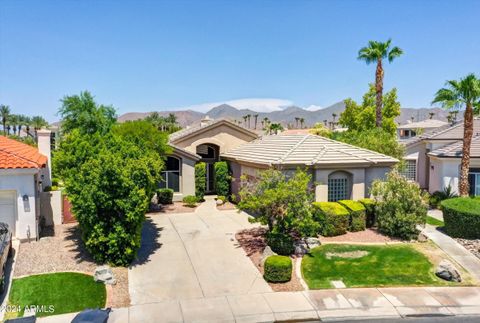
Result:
[[462, 217], [357, 211], [222, 178], [369, 205], [280, 243], [332, 217], [278, 269], [165, 196], [200, 180]]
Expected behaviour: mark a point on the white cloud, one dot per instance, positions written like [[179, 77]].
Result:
[[255, 104], [313, 107]]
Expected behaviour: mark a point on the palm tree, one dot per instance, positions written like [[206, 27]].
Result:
[[375, 52], [456, 94], [13, 122], [334, 115], [38, 123], [245, 121], [274, 128], [27, 122], [297, 119], [256, 118], [249, 116], [4, 113], [431, 114], [302, 121]]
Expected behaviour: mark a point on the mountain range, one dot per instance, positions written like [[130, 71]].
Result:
[[285, 116]]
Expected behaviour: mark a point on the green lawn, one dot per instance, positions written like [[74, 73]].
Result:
[[432, 221], [58, 293], [394, 265]]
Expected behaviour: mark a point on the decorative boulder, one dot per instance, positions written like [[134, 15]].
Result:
[[447, 271], [313, 242], [267, 252], [301, 247], [422, 237], [219, 202], [104, 274]]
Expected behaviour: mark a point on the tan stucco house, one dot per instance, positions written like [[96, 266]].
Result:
[[433, 158], [339, 171]]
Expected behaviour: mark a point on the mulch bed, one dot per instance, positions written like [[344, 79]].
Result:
[[64, 251], [472, 245], [253, 242], [175, 207], [370, 235]]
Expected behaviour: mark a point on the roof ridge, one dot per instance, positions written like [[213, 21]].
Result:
[[281, 159], [16, 155]]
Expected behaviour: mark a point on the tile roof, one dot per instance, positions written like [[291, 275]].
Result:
[[429, 123], [455, 149], [304, 150], [15, 154], [211, 123]]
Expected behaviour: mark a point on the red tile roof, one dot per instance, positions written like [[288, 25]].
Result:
[[14, 154]]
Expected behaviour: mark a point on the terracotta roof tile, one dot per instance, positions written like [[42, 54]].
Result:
[[14, 154]]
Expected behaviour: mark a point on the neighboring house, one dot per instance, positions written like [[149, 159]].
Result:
[[339, 171], [24, 172], [433, 158], [203, 142], [413, 129]]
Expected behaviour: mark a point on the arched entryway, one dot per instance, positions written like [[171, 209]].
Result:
[[340, 185], [210, 154]]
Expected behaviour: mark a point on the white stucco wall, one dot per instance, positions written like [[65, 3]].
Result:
[[22, 181], [444, 173], [422, 162], [373, 173], [51, 207]]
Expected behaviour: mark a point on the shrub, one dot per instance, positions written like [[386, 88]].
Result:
[[369, 205], [50, 188], [278, 269], [357, 221], [222, 198], [200, 180], [437, 197], [222, 178], [165, 196], [400, 206], [332, 217], [462, 217], [190, 201], [280, 243]]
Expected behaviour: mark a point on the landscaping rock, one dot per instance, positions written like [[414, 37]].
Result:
[[104, 275], [313, 242], [219, 202], [301, 247], [267, 252], [446, 270], [422, 237]]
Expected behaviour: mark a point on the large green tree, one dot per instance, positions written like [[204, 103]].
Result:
[[361, 117], [83, 113], [462, 94], [376, 52]]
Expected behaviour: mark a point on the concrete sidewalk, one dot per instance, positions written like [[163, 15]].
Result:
[[360, 303], [461, 255]]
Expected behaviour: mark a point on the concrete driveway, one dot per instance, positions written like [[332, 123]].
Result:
[[193, 255]]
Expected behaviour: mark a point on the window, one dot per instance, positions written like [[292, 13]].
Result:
[[339, 186], [206, 151], [474, 181], [171, 174], [410, 171]]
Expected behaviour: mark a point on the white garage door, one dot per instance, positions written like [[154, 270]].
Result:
[[7, 209]]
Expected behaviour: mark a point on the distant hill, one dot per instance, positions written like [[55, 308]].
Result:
[[286, 116]]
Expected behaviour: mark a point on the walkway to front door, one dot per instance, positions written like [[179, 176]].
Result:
[[193, 255]]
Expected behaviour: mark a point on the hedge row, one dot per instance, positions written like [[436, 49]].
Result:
[[337, 218], [461, 216]]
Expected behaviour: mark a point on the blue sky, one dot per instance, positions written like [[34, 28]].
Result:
[[152, 55]]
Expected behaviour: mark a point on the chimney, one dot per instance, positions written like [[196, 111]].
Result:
[[44, 148], [205, 121]]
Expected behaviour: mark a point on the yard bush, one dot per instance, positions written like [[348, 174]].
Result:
[[462, 217], [437, 197], [280, 243], [165, 196], [200, 180], [400, 206], [222, 178], [278, 269], [357, 221], [369, 205], [332, 217], [190, 201]]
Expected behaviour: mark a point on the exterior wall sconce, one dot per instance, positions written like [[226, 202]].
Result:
[[26, 203]]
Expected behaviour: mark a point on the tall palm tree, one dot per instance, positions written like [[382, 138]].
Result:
[[245, 121], [38, 123], [456, 94], [14, 122], [375, 52], [297, 119], [27, 122], [302, 121], [249, 116], [4, 113], [334, 115], [431, 114], [255, 116]]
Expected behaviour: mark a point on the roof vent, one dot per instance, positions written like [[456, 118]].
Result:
[[205, 121]]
